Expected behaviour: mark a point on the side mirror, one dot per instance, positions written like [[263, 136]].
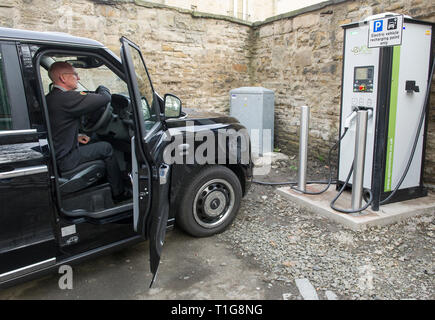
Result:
[[172, 106]]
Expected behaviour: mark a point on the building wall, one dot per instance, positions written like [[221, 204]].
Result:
[[260, 10], [254, 10], [283, 6], [257, 10], [222, 7], [201, 58]]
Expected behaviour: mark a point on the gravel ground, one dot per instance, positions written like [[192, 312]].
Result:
[[289, 242]]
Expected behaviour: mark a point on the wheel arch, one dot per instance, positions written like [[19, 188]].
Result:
[[239, 172]]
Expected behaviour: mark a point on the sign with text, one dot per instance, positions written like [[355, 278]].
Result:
[[385, 32]]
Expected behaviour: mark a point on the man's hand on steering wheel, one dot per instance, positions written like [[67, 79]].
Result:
[[99, 118], [102, 88]]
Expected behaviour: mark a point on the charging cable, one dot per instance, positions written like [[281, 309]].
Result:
[[368, 202], [329, 182], [346, 126]]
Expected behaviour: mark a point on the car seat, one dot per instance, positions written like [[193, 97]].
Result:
[[82, 176]]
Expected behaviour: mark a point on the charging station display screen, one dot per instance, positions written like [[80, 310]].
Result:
[[361, 73], [363, 79]]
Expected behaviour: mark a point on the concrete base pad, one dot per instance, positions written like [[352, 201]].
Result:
[[387, 214]]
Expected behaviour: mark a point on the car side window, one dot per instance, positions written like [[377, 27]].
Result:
[[5, 108], [90, 78]]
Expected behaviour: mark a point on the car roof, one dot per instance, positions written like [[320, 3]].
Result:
[[46, 37]]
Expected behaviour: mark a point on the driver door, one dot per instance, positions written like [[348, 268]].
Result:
[[150, 175]]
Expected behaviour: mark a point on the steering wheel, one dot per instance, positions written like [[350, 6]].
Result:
[[103, 120]]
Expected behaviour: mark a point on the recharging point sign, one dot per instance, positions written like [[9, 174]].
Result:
[[385, 32]]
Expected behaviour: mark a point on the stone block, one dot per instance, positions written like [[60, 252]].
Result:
[[169, 36], [166, 19], [344, 21], [353, 6], [5, 17], [183, 22], [78, 7], [8, 3], [266, 31], [167, 48], [145, 15], [394, 7], [302, 57], [279, 56], [283, 26], [306, 21], [107, 12], [240, 67]]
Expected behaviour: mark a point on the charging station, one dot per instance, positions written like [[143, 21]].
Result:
[[388, 64], [387, 61]]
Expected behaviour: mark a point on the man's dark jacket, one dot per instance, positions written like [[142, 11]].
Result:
[[65, 109]]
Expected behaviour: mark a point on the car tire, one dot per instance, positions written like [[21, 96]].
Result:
[[210, 202]]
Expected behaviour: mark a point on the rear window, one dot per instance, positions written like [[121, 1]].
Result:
[[5, 109]]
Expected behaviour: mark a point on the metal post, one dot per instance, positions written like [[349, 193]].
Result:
[[303, 147], [359, 159]]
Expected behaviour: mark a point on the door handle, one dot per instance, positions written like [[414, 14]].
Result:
[[163, 173]]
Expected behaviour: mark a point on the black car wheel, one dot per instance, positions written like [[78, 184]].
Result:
[[210, 202]]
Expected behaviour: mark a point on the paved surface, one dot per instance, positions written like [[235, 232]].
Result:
[[191, 268], [274, 250]]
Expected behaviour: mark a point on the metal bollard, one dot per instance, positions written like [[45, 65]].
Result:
[[359, 159], [303, 147]]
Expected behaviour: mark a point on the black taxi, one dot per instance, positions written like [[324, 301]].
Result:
[[50, 218]]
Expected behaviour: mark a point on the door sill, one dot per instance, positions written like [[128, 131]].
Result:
[[27, 269], [80, 213]]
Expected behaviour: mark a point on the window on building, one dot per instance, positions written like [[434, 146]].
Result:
[[240, 9], [5, 109]]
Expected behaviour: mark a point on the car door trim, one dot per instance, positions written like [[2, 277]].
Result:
[[16, 132], [27, 269], [23, 172]]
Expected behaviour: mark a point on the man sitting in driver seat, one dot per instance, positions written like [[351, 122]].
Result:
[[66, 106]]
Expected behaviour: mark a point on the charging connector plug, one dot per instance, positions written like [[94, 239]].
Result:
[[353, 115], [349, 119]]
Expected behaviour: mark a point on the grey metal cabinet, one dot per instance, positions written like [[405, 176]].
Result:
[[254, 108]]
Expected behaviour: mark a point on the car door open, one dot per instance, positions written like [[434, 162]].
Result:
[[150, 175]]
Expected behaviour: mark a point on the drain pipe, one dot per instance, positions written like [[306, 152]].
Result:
[[359, 159], [303, 148]]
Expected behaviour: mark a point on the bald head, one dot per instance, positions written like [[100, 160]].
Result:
[[59, 68], [64, 75]]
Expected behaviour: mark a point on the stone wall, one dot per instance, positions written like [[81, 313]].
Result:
[[299, 56], [195, 56], [201, 57]]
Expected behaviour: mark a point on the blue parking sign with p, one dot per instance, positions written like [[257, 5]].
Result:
[[377, 26]]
